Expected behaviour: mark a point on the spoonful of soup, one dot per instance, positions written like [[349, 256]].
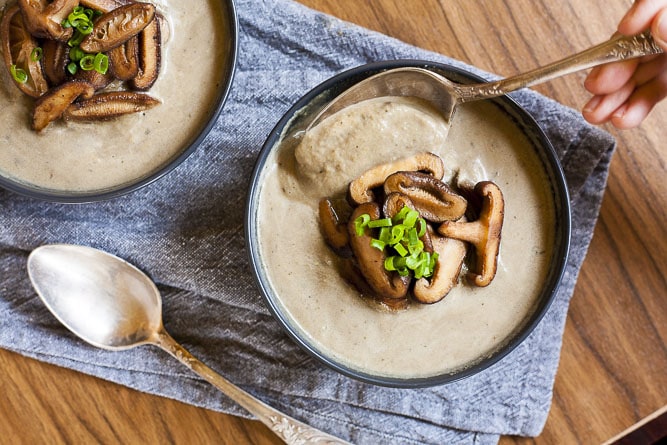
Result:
[[446, 95], [113, 305]]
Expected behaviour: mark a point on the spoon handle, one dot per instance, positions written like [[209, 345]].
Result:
[[290, 430], [619, 47]]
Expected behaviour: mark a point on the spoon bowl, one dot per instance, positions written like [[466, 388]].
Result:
[[113, 305], [446, 95]]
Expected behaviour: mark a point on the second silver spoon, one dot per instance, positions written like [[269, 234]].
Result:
[[113, 305]]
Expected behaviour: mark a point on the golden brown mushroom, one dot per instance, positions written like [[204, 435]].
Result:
[[350, 272], [116, 27], [124, 59], [334, 230], [53, 104], [451, 253], [106, 106], [484, 233], [371, 260], [432, 198], [54, 61], [150, 57], [104, 5], [17, 47], [44, 19], [360, 189]]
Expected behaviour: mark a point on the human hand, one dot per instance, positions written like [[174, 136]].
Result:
[[625, 92]]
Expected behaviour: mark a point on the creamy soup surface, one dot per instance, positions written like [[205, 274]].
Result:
[[86, 157], [425, 340]]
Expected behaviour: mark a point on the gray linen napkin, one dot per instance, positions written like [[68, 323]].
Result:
[[185, 231]]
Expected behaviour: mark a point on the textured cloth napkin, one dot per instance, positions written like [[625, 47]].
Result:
[[185, 231]]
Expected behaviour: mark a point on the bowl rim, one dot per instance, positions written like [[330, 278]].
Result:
[[65, 197], [554, 279]]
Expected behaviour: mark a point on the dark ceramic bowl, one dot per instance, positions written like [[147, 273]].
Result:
[[294, 120], [230, 45]]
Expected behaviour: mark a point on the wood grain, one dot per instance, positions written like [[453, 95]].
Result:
[[612, 369]]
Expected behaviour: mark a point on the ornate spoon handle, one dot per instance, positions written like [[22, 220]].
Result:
[[617, 48], [290, 430]]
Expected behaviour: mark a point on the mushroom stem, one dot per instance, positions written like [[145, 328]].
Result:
[[484, 234]]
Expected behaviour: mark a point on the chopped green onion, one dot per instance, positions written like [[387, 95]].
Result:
[[379, 245], [401, 214], [422, 227], [386, 222], [18, 74], [85, 28], [87, 62], [411, 218], [72, 68], [101, 63], [36, 54], [76, 39], [76, 54], [402, 251], [397, 233], [66, 24], [401, 235], [361, 222]]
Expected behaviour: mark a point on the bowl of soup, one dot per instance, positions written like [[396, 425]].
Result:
[[84, 158], [416, 343]]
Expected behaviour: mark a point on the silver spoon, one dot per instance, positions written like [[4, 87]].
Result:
[[447, 95], [112, 305]]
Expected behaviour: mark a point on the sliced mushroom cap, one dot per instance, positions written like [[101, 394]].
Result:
[[394, 203], [333, 229], [17, 47], [484, 233], [350, 272], [360, 190], [371, 260], [44, 19], [451, 253], [54, 61], [432, 198], [98, 80], [150, 57], [124, 59], [104, 5], [115, 27], [53, 104], [106, 106]]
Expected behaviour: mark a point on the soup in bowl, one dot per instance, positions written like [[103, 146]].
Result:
[[494, 158]]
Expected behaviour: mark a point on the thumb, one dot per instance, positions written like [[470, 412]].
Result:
[[659, 29]]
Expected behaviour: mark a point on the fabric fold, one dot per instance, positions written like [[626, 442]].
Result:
[[186, 232]]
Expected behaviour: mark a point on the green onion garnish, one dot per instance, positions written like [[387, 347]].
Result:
[[361, 222], [101, 63], [87, 62], [18, 74], [76, 54], [401, 236], [36, 54], [386, 222], [76, 39], [72, 68]]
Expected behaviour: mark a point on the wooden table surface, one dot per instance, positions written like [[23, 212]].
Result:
[[613, 369]]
